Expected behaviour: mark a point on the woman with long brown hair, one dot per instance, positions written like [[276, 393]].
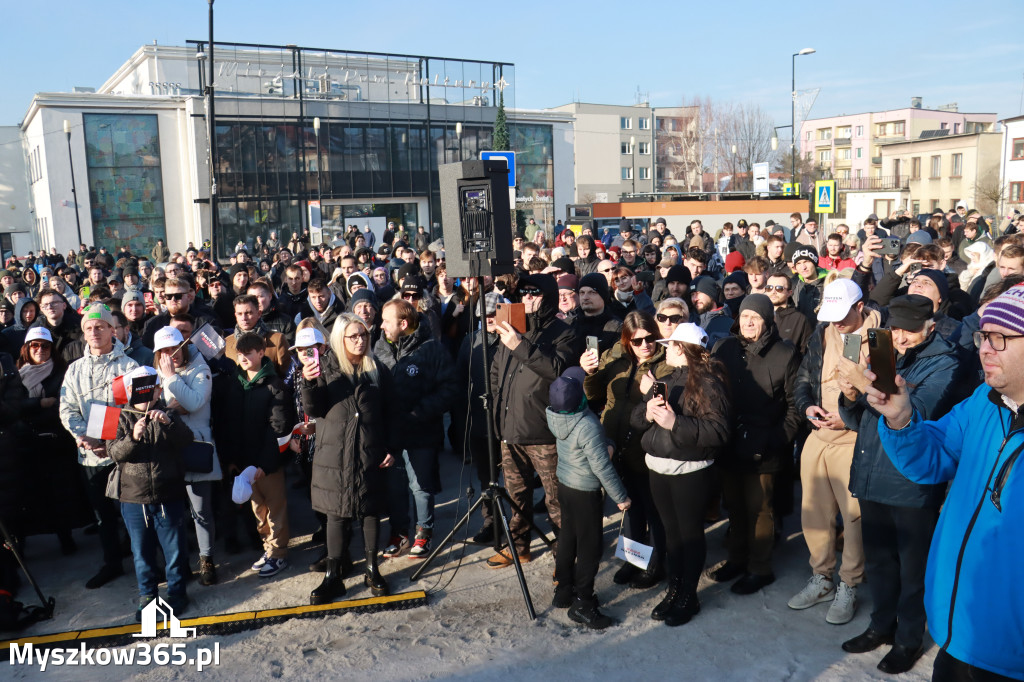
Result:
[[685, 422], [619, 379]]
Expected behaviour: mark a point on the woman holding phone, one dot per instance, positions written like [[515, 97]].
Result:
[[343, 391], [620, 378], [682, 434]]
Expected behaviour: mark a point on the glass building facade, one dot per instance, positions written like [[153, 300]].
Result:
[[386, 123]]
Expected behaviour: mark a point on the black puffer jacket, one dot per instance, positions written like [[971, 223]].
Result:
[[521, 377], [12, 471], [152, 471], [347, 479], [249, 418], [766, 420], [470, 372], [422, 388], [692, 438]]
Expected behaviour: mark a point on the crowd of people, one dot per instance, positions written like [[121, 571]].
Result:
[[679, 373]]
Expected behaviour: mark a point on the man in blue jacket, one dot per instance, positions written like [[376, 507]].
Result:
[[974, 610]]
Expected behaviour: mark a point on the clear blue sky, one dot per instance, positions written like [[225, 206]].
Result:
[[869, 57]]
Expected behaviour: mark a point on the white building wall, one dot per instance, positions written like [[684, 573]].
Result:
[[859, 205], [15, 214], [1011, 171]]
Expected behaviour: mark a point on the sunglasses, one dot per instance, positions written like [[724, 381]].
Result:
[[637, 341], [408, 296], [672, 319], [776, 287], [530, 292], [39, 345], [174, 297]]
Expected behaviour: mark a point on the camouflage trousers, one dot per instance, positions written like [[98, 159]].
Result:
[[519, 462]]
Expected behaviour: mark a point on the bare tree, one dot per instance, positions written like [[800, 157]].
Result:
[[989, 193]]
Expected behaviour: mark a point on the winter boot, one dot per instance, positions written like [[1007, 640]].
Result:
[[373, 579], [585, 612], [207, 571], [665, 604], [684, 607], [331, 588]]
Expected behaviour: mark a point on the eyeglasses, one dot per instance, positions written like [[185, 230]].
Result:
[[52, 305], [534, 293], [995, 339], [776, 287], [39, 345], [174, 297], [672, 319], [637, 341], [353, 337], [624, 251]]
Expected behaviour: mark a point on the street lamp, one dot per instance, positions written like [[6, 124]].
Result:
[[632, 151], [319, 188], [792, 118], [458, 136], [735, 184], [74, 195]]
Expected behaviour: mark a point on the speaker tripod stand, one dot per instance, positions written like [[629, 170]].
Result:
[[493, 494]]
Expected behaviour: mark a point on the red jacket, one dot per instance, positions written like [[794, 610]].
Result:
[[830, 263]]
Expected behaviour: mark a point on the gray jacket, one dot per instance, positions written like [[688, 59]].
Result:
[[583, 461]]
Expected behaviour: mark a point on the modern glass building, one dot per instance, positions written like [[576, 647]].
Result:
[[359, 134]]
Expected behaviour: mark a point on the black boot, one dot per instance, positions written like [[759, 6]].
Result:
[[684, 607], [320, 565], [665, 604], [331, 588], [585, 612], [373, 579]]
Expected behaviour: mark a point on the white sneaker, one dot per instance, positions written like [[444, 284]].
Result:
[[817, 590], [843, 606]]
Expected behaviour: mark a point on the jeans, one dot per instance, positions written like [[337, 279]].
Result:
[[397, 481], [200, 500], [149, 524], [423, 460]]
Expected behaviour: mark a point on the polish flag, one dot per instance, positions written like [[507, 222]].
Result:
[[282, 442], [102, 422], [121, 388]]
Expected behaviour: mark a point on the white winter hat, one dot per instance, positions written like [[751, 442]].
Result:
[[167, 337], [688, 332], [38, 334]]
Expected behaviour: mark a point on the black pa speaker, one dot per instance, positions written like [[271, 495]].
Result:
[[476, 220]]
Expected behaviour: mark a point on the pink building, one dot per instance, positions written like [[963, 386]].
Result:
[[850, 146]]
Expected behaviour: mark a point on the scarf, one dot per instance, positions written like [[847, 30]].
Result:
[[32, 377]]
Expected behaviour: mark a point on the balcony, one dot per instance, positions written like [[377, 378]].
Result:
[[843, 141], [820, 143], [876, 160], [889, 182]]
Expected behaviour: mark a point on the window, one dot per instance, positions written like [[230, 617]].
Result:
[[860, 152], [956, 128], [879, 130], [809, 155], [644, 147], [1018, 149], [843, 132], [958, 166], [825, 156], [644, 123], [626, 149], [943, 126], [915, 207], [627, 173], [843, 174], [844, 154], [935, 205], [915, 168], [809, 135], [625, 123], [645, 173], [860, 173], [1016, 192], [824, 133], [860, 131], [899, 128], [936, 166]]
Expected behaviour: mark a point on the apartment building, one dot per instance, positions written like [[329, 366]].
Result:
[[1012, 165]]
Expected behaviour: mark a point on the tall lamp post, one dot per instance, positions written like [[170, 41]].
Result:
[[735, 183], [74, 195], [319, 188], [632, 151], [792, 117]]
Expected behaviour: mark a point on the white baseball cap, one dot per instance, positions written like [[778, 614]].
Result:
[[310, 336], [167, 337], [837, 299], [688, 332], [38, 334]]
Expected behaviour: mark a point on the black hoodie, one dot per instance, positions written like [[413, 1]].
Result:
[[521, 377]]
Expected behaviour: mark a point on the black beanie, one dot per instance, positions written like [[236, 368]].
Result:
[[237, 268], [412, 268], [679, 273], [760, 304], [597, 282], [707, 285]]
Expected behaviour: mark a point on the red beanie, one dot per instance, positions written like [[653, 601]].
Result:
[[734, 261]]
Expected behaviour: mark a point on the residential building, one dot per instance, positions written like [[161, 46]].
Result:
[[17, 170], [850, 146], [1012, 165]]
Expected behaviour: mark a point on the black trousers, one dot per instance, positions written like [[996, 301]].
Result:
[[682, 500], [339, 534], [108, 512], [643, 522], [579, 544], [896, 542], [949, 669], [481, 460]]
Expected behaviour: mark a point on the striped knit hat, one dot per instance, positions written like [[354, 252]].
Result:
[[1007, 310]]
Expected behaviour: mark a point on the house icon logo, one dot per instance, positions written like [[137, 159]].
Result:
[[156, 610]]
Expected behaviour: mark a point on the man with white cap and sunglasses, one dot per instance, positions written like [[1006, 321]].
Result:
[[828, 453]]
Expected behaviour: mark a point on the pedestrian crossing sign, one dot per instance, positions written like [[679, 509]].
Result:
[[825, 196]]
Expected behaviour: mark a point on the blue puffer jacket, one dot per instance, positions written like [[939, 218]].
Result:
[[930, 369], [583, 461], [975, 609]]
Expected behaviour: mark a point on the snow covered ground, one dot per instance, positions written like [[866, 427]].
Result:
[[475, 626]]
